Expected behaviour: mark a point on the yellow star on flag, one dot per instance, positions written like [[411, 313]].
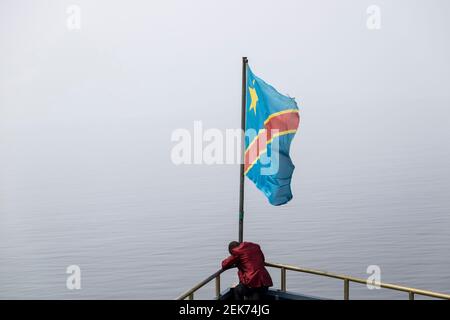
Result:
[[253, 98]]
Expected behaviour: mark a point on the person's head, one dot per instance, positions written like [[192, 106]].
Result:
[[232, 245]]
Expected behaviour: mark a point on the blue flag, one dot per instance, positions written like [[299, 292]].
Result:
[[270, 125]]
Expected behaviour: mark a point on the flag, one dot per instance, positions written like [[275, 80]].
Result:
[[271, 122]]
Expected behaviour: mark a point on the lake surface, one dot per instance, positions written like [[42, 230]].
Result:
[[141, 231], [86, 118]]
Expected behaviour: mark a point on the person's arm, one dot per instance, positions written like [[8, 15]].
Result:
[[262, 253], [229, 262]]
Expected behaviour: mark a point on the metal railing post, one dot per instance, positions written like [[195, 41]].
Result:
[[412, 292], [346, 289], [218, 287], [283, 279]]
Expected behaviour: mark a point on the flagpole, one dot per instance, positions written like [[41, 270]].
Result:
[[242, 166]]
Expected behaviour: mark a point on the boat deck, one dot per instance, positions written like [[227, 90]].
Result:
[[272, 294], [283, 294]]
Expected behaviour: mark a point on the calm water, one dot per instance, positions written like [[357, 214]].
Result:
[[142, 232], [86, 118]]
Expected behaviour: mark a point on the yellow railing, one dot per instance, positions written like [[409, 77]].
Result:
[[190, 293], [347, 279]]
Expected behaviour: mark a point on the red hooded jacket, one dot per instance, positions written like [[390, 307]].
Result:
[[249, 259]]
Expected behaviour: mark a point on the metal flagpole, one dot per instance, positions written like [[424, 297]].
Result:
[[241, 180]]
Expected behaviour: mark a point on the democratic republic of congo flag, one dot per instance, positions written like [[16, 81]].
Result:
[[271, 122]]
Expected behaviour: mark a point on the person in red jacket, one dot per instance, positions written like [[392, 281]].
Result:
[[254, 279]]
